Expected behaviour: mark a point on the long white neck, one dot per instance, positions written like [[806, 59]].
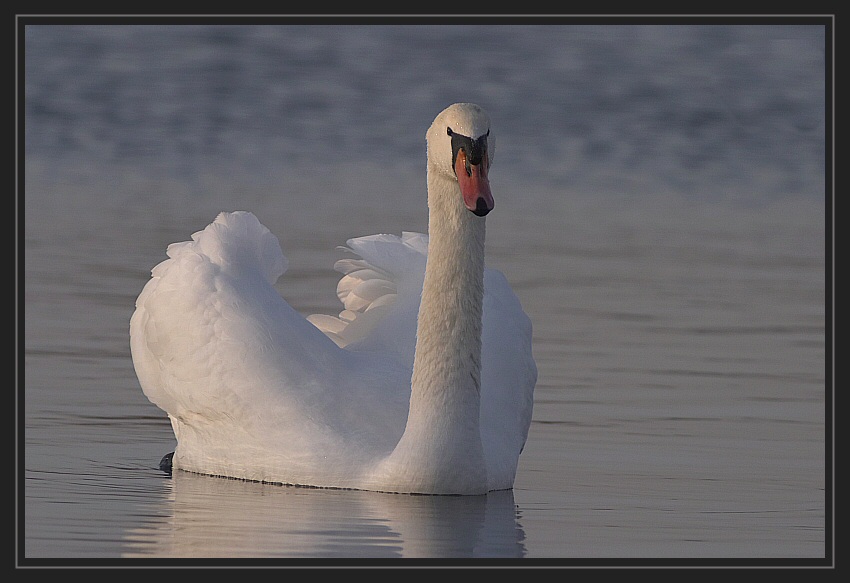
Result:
[[441, 451], [447, 367]]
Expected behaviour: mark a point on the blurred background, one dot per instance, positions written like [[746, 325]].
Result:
[[733, 111]]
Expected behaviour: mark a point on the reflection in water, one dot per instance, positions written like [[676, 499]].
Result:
[[219, 517]]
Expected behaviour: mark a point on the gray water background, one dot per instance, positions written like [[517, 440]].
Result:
[[660, 213]]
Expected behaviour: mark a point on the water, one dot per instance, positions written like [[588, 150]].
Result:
[[660, 213]]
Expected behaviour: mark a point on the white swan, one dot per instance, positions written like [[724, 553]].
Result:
[[376, 399]]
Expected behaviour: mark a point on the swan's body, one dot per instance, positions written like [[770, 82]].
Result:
[[423, 384]]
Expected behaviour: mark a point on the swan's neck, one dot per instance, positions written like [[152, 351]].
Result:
[[447, 366], [441, 448]]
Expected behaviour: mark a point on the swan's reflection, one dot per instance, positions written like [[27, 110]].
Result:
[[203, 516]]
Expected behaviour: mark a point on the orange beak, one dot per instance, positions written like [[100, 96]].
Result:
[[474, 184]]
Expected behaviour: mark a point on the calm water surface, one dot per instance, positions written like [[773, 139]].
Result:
[[660, 213]]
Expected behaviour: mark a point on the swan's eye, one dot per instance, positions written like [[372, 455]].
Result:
[[475, 149]]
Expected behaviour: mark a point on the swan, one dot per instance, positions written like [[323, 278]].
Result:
[[422, 384]]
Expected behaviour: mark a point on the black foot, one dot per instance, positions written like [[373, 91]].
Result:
[[165, 463]]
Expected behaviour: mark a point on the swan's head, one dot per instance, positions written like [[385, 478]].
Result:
[[460, 146]]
